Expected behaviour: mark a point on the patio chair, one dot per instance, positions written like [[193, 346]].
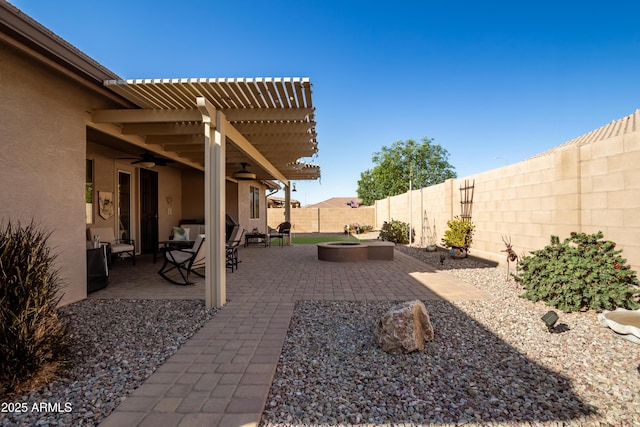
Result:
[[120, 248], [284, 229], [235, 239], [185, 261]]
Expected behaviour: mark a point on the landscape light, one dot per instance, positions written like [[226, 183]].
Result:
[[550, 320]]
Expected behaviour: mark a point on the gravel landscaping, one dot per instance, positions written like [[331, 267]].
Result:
[[116, 345], [491, 363]]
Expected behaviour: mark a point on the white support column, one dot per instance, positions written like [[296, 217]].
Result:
[[214, 210], [287, 203], [287, 206]]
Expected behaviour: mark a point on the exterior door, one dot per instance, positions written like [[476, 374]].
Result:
[[148, 211], [124, 205]]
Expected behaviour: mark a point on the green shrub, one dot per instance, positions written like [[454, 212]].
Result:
[[366, 228], [33, 340], [396, 231], [459, 232], [357, 228], [583, 272]]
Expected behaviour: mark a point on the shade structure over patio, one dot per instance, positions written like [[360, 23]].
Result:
[[218, 126]]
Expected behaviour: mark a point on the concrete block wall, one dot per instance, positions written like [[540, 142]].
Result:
[[322, 220], [588, 188], [526, 202], [610, 188], [431, 209], [381, 208]]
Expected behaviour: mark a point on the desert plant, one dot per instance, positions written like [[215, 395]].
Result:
[[396, 231], [33, 340], [459, 233], [366, 228], [357, 228], [583, 272]]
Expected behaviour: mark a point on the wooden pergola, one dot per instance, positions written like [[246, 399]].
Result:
[[216, 125]]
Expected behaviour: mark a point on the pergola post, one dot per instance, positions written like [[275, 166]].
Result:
[[214, 200], [287, 206], [287, 203]]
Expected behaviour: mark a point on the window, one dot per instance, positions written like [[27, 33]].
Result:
[[254, 201], [88, 192]]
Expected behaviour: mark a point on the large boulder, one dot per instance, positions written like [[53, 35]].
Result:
[[404, 328]]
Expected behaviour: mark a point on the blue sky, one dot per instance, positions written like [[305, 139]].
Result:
[[493, 82]]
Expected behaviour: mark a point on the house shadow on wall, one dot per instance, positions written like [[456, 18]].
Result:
[[465, 375]]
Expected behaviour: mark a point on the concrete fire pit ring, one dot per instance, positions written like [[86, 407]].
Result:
[[343, 252], [355, 251]]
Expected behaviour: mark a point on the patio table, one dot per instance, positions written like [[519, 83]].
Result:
[[172, 244], [255, 239]]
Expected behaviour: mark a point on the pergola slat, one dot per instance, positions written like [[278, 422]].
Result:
[[272, 115]]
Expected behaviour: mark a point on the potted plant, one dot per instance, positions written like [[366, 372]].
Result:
[[459, 236]]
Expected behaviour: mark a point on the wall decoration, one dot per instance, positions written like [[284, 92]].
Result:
[[105, 200]]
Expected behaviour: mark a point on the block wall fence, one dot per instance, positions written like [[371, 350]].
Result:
[[583, 188], [587, 188], [322, 220]]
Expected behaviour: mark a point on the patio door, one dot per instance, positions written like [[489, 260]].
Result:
[[124, 205], [148, 211]]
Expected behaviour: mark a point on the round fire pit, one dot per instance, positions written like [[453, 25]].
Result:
[[342, 251]]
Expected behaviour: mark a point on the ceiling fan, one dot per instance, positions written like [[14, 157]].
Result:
[[148, 160]]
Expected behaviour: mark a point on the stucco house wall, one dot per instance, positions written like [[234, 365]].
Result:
[[192, 195], [236, 200], [106, 168], [42, 158], [244, 208], [169, 215], [45, 111]]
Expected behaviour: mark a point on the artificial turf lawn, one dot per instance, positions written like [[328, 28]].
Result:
[[312, 240]]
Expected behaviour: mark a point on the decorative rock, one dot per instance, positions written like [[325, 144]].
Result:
[[404, 328], [626, 323]]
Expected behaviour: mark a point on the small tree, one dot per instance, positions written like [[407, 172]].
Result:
[[583, 272], [33, 340], [424, 163]]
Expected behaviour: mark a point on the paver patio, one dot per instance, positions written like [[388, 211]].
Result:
[[222, 375]]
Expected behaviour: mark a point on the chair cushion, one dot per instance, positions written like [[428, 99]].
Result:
[[117, 248], [105, 233], [178, 256]]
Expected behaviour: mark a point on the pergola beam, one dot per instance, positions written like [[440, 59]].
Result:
[[253, 153], [185, 148], [281, 114], [193, 115], [155, 115], [274, 127], [284, 138], [138, 141], [163, 129], [176, 139]]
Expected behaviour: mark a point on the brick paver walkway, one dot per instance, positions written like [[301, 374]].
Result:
[[222, 375]]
